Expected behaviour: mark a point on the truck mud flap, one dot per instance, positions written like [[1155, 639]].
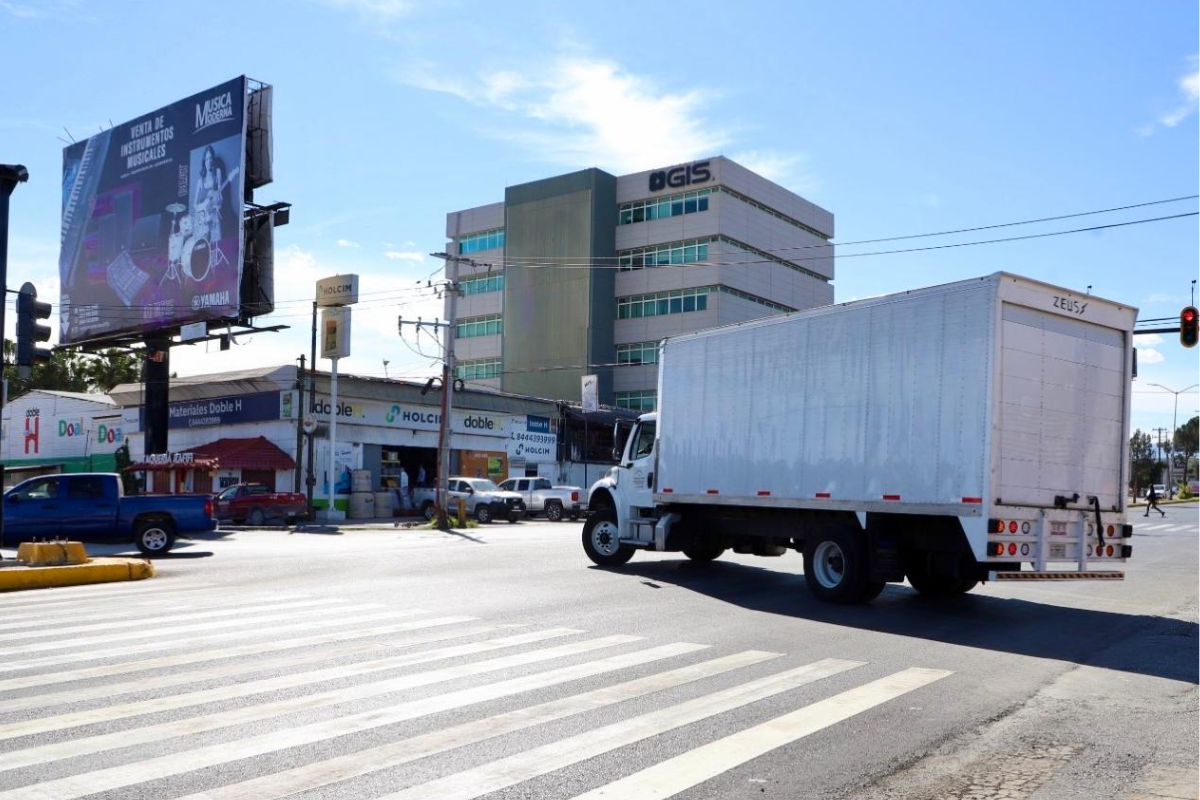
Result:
[[1056, 576]]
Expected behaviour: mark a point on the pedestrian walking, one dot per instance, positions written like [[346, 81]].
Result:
[[1152, 502]]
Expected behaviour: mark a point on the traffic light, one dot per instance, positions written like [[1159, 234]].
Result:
[[29, 330], [1187, 326]]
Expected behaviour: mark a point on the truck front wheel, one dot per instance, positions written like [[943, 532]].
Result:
[[945, 579], [154, 537], [836, 567], [601, 539]]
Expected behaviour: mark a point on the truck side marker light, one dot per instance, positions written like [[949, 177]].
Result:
[[1108, 551], [1012, 526], [764, 494], [998, 525], [996, 549], [1012, 549], [1024, 527], [668, 490], [713, 491], [895, 498], [975, 500], [1111, 531], [823, 495]]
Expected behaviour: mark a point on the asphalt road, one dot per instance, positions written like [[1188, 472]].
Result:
[[498, 662]]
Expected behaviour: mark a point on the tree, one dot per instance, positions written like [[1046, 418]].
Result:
[[1186, 438], [111, 368], [1145, 469], [72, 371]]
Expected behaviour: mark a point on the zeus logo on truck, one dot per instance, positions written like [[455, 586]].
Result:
[[1069, 306], [678, 177]]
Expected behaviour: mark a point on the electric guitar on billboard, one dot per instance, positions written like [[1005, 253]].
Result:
[[208, 210]]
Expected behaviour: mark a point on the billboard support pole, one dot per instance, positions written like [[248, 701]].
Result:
[[300, 378], [158, 393], [10, 176], [333, 513], [311, 478]]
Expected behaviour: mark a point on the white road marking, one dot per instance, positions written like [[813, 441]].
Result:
[[75, 656], [523, 766], [180, 633], [53, 598], [78, 786], [292, 680], [209, 673], [56, 679], [74, 612], [14, 759], [1156, 526], [361, 762], [674, 775], [152, 621]]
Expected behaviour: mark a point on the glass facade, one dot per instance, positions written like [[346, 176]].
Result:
[[638, 353], [645, 400], [487, 240], [664, 207], [478, 370], [479, 326], [657, 255], [657, 304], [482, 284]]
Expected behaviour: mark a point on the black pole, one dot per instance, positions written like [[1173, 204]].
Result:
[[10, 176], [158, 393], [301, 376], [311, 481]]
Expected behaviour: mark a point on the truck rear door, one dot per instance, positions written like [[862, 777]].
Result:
[[89, 507], [1064, 388]]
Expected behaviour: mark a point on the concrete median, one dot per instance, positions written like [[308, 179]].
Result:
[[97, 570]]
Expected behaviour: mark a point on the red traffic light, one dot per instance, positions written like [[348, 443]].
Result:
[[1187, 326]]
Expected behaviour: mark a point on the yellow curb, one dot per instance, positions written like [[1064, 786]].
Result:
[[98, 570]]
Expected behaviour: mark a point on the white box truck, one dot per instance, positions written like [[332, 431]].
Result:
[[949, 435]]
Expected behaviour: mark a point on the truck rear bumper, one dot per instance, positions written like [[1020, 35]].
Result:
[[1093, 575]]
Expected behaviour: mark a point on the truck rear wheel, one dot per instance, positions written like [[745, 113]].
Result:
[[554, 510], [483, 513], [836, 567], [601, 540], [256, 517], [154, 537], [944, 582]]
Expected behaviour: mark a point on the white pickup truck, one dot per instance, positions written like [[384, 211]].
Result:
[[542, 498], [976, 431]]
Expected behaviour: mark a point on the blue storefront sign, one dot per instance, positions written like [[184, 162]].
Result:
[[257, 407], [537, 424]]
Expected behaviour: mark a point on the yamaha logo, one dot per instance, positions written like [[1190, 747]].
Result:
[[678, 177]]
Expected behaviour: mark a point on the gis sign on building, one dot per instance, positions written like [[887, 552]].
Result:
[[152, 219]]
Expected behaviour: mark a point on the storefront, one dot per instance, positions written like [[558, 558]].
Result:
[[48, 432]]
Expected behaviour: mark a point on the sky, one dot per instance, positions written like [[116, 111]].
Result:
[[900, 118]]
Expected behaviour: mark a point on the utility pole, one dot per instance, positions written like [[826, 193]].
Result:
[[310, 479], [1174, 427], [300, 378], [10, 176]]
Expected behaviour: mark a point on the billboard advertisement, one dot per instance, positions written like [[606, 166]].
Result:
[[152, 219]]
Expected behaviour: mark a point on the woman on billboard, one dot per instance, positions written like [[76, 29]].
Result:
[[210, 190]]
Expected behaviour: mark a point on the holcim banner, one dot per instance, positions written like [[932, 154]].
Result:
[[397, 415], [152, 219]]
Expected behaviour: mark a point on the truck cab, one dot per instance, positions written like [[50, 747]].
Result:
[[621, 504]]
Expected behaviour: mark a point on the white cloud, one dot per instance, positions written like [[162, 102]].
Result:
[[376, 11], [1161, 297], [783, 168], [582, 111], [1149, 355], [1147, 339], [1189, 91], [410, 256], [348, 243]]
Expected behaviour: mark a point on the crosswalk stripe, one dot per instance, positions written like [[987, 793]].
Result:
[[75, 613], [152, 620], [75, 656], [14, 759], [674, 775], [523, 766], [49, 597], [224, 752], [291, 680], [208, 673], [1155, 527], [57, 679], [302, 609], [361, 762]]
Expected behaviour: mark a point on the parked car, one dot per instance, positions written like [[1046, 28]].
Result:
[[542, 498], [93, 507], [1159, 489], [485, 500], [255, 503]]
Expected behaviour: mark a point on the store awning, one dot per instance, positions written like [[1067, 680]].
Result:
[[206, 464], [256, 453]]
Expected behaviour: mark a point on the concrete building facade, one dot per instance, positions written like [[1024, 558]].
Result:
[[585, 273]]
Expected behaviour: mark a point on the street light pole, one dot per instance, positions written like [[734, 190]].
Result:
[[1174, 427], [10, 176]]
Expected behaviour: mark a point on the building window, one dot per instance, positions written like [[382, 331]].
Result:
[[479, 370], [637, 353], [659, 303], [645, 400], [487, 240], [688, 252], [753, 298], [663, 207], [482, 284], [479, 326]]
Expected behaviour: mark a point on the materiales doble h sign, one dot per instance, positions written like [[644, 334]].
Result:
[[151, 231]]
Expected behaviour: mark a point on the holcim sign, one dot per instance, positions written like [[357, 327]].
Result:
[[353, 411]]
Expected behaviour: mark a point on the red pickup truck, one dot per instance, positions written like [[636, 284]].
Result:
[[254, 504]]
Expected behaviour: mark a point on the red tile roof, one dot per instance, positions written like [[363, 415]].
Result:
[[256, 453]]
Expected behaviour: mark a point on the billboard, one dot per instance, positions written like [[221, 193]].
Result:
[[152, 219]]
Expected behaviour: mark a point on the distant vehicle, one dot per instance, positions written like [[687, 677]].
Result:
[[1159, 489], [255, 503], [93, 507], [485, 500], [543, 498], [897, 437]]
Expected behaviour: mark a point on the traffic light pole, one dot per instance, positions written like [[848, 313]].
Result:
[[10, 176]]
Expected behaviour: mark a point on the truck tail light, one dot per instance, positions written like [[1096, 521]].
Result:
[[1012, 549], [574, 497], [208, 507], [1012, 526], [996, 525], [996, 549]]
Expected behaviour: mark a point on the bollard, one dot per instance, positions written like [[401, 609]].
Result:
[[462, 512]]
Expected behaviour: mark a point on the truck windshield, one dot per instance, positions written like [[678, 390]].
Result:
[[483, 485], [645, 440]]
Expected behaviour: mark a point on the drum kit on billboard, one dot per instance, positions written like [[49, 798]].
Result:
[[190, 253]]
